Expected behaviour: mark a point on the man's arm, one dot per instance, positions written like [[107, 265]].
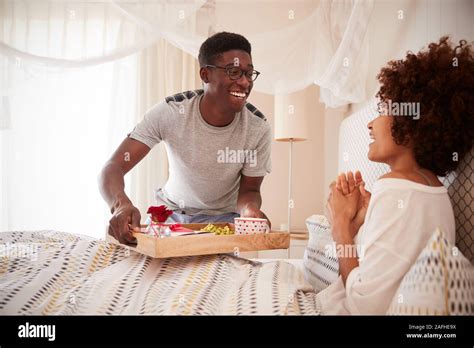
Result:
[[111, 185], [249, 200]]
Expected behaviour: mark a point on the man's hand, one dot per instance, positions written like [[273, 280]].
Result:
[[111, 185], [249, 200], [125, 219], [252, 211]]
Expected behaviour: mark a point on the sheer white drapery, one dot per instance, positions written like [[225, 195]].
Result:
[[69, 96], [295, 44], [58, 126]]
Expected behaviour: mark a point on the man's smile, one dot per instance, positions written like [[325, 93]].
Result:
[[237, 94]]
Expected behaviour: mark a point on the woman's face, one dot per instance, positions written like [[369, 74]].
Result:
[[382, 147]]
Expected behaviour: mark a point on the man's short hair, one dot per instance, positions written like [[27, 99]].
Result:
[[219, 43]]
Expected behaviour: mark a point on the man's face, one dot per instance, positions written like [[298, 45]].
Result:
[[231, 93]]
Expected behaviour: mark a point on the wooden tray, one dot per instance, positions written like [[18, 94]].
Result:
[[205, 244]]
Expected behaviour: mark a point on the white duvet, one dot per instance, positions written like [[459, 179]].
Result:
[[56, 273]]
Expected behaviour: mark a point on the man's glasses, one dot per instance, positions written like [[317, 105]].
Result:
[[236, 73]]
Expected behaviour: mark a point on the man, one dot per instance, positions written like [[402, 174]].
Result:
[[218, 145]]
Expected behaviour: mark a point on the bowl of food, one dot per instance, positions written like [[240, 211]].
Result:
[[245, 225]]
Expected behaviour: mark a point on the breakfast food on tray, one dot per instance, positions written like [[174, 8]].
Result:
[[217, 230]]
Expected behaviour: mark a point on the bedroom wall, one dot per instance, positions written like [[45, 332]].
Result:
[[308, 164]]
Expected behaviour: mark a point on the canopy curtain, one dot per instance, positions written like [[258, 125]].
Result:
[[61, 118], [295, 44], [60, 125]]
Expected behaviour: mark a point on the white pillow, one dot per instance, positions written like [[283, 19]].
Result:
[[321, 265], [440, 282]]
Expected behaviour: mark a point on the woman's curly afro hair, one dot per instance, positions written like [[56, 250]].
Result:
[[441, 79]]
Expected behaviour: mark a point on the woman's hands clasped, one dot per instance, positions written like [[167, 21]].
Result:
[[348, 201]]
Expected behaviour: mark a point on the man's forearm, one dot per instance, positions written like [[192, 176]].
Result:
[[249, 198], [112, 186]]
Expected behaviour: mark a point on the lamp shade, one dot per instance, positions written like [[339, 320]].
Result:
[[291, 117]]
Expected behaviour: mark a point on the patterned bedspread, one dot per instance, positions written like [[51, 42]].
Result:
[[57, 273]]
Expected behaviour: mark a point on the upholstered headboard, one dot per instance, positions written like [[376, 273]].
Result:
[[353, 147], [354, 144]]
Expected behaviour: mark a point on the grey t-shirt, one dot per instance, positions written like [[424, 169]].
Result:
[[205, 162]]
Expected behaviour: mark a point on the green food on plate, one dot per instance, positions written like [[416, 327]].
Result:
[[217, 230]]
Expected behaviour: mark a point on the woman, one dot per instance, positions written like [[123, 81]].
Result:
[[394, 224]]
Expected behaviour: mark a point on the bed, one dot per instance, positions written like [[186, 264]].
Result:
[[57, 273]]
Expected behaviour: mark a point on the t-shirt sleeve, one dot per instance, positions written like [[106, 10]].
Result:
[[262, 164], [150, 130], [371, 286]]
